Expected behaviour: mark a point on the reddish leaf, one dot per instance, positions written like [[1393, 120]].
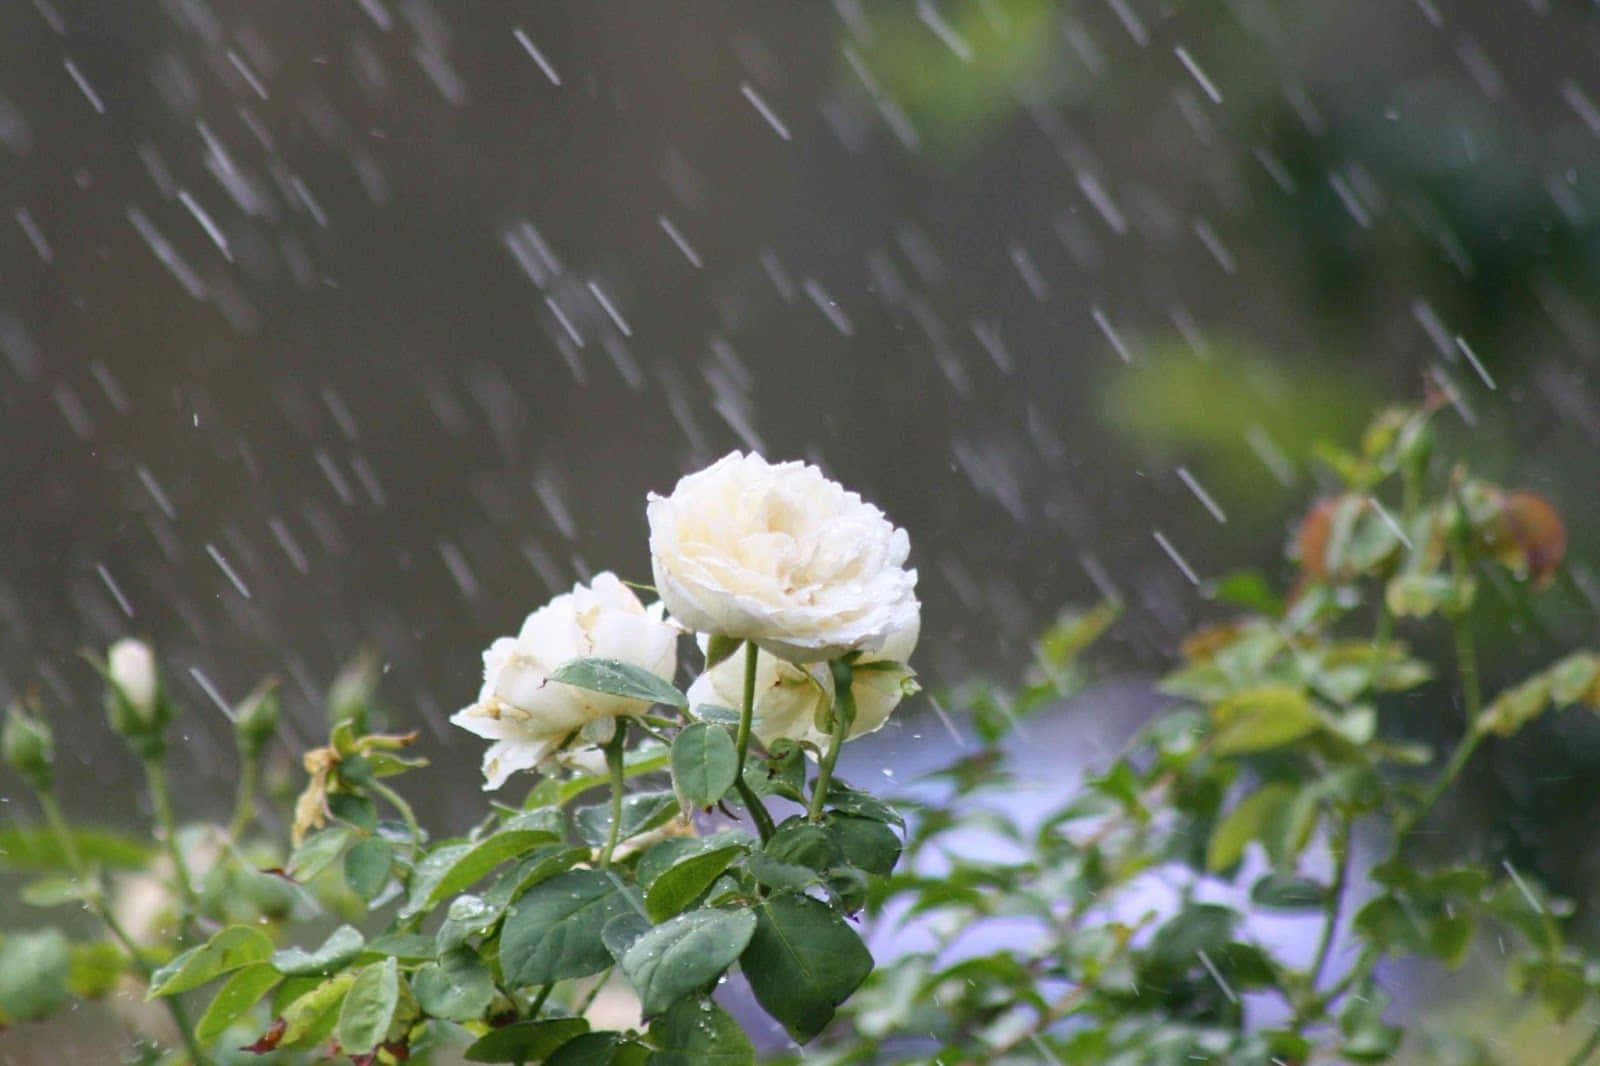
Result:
[[268, 1040]]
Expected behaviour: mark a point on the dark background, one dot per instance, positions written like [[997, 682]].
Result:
[[1013, 266]]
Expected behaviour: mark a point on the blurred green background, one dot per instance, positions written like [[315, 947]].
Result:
[[370, 323]]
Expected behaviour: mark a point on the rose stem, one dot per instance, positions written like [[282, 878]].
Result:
[[741, 743], [844, 714], [613, 749], [95, 900], [155, 775]]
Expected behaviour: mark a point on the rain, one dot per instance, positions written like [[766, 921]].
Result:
[[369, 326]]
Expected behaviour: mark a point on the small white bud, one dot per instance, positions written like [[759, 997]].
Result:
[[131, 666]]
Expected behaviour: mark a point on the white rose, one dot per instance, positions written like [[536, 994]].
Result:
[[788, 696], [131, 666], [781, 556], [527, 715]]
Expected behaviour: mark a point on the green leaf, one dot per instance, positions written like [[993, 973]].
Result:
[[704, 763], [354, 808], [39, 850], [617, 678], [1571, 678], [318, 851], [1260, 718], [526, 1041], [599, 1049], [718, 648], [53, 892], [680, 885], [366, 866], [457, 987], [34, 972], [775, 873], [641, 811], [1288, 892], [1367, 1038], [232, 948], [868, 844], [407, 947], [430, 870], [1246, 822], [311, 1017], [699, 1033], [369, 1008], [685, 955], [553, 931], [454, 867], [342, 945], [804, 843], [843, 798], [96, 966], [803, 960], [621, 931], [1419, 595], [1247, 589], [234, 999]]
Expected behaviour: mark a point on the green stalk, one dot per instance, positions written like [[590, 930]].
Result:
[[1582, 1055], [155, 776], [1472, 698], [844, 714], [244, 807], [95, 900], [1339, 844], [613, 750], [398, 802], [741, 743], [593, 994], [1467, 667]]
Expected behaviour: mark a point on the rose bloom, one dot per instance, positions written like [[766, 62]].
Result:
[[780, 555], [788, 695], [131, 666], [527, 715]]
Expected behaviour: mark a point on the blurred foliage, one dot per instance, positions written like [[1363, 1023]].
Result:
[[1142, 901], [1240, 417], [955, 70]]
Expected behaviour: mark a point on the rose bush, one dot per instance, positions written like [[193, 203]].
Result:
[[530, 717], [779, 555], [599, 920]]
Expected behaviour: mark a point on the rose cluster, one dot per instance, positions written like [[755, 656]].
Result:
[[744, 550]]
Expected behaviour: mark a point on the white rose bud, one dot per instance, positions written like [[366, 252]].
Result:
[[131, 667], [780, 555], [790, 696], [527, 715]]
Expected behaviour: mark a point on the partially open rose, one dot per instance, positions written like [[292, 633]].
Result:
[[527, 715]]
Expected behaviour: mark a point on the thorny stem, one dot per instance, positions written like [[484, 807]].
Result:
[[95, 900], [844, 713], [741, 743], [613, 749]]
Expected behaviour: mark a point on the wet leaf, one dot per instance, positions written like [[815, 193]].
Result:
[[685, 954], [617, 678]]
